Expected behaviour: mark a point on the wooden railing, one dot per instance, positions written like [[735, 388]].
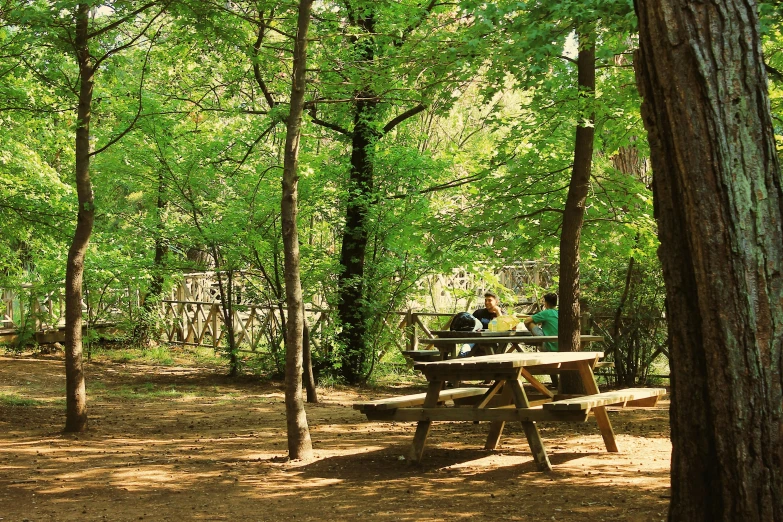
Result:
[[198, 323], [41, 310]]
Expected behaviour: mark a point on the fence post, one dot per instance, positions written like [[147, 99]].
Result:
[[410, 327]]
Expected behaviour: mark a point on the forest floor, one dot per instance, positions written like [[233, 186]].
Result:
[[183, 442]]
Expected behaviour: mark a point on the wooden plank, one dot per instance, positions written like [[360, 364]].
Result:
[[499, 337], [509, 360], [536, 383], [601, 417], [417, 399], [610, 398], [496, 387], [423, 427], [496, 426], [531, 429], [422, 325], [500, 414], [644, 403]]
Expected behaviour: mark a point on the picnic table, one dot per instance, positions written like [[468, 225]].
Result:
[[448, 342], [506, 399]]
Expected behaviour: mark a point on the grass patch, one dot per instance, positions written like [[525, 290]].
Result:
[[146, 391], [158, 355], [203, 355], [393, 370], [162, 355], [11, 399]]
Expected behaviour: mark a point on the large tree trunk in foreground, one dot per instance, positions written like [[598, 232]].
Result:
[[569, 327], [299, 444], [719, 206], [75, 389]]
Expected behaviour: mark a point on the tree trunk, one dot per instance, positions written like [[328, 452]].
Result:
[[573, 216], [299, 444], [146, 323], [75, 389], [719, 205], [161, 248], [621, 356], [227, 306], [307, 370], [351, 308]]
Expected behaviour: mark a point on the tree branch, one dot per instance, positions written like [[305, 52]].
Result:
[[122, 20], [402, 117], [328, 125], [131, 41], [256, 67], [141, 103]]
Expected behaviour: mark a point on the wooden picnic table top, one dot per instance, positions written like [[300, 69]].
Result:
[[506, 360], [503, 337], [480, 333]]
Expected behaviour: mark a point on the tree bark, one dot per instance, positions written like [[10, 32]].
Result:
[[351, 307], [307, 370], [719, 205], [146, 323], [573, 215], [299, 444], [75, 388]]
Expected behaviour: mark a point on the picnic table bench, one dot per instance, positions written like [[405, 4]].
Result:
[[506, 399], [422, 355]]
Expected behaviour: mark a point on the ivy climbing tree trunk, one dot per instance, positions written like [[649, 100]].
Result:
[[719, 205], [300, 446], [351, 307], [146, 324], [75, 388], [569, 327]]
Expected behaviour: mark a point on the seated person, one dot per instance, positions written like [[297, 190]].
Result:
[[545, 323], [490, 311]]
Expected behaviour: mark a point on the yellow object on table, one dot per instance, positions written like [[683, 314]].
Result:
[[506, 322]]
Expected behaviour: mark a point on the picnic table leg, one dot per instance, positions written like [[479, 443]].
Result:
[[496, 427], [531, 429], [601, 416], [423, 427]]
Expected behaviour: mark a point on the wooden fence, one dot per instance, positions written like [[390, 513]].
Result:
[[199, 323], [41, 311], [192, 314]]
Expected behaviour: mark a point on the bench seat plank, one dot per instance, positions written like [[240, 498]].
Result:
[[630, 396], [417, 399], [505, 414], [422, 355]]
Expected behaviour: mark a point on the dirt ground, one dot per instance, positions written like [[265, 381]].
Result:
[[186, 443]]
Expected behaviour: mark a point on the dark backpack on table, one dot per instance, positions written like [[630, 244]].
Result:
[[465, 322]]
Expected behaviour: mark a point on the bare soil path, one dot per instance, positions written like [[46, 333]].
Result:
[[186, 443]]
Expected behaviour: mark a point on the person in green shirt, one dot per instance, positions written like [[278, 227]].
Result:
[[545, 321]]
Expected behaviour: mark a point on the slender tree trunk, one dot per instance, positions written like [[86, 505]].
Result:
[[146, 322], [573, 216], [719, 205], [621, 356], [227, 305], [351, 308], [307, 361], [75, 389], [299, 443], [161, 249]]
